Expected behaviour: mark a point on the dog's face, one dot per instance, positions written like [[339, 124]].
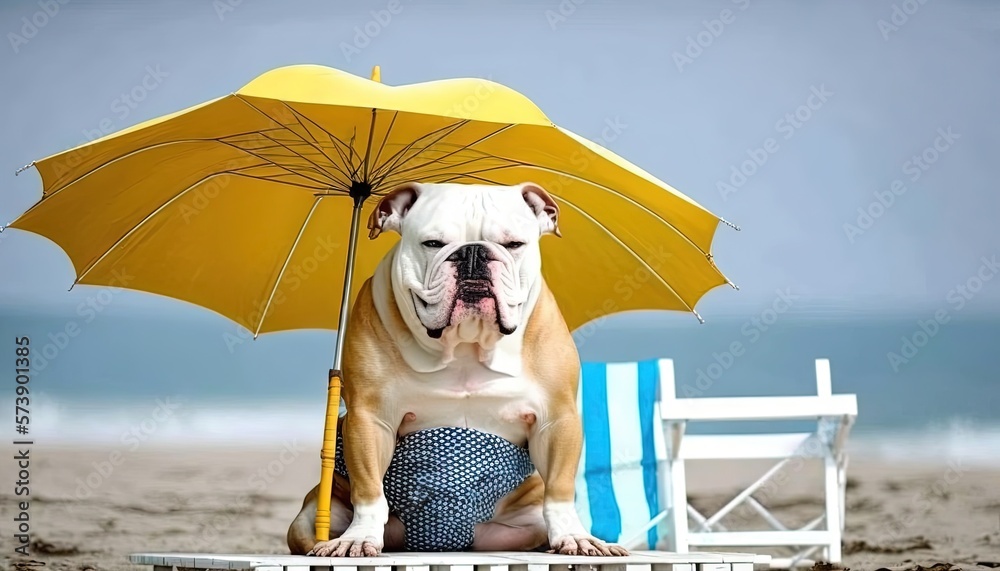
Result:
[[468, 252]]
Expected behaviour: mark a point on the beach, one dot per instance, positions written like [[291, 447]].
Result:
[[91, 505]]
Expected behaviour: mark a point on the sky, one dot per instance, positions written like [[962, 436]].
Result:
[[826, 107]]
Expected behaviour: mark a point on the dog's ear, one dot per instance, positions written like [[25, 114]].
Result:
[[389, 213], [544, 207]]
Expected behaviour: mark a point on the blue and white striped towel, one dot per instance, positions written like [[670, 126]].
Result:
[[618, 489]]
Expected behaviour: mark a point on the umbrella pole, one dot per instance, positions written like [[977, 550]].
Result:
[[328, 454]]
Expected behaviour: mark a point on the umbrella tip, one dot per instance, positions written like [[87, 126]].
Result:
[[24, 168], [730, 224], [377, 74], [696, 314], [732, 285]]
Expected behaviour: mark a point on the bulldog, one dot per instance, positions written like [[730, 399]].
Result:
[[457, 328]]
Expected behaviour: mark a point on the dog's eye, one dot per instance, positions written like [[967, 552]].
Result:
[[513, 245], [433, 243]]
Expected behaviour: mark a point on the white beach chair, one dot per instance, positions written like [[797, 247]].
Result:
[[620, 483]]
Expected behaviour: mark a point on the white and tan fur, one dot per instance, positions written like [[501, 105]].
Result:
[[417, 357]]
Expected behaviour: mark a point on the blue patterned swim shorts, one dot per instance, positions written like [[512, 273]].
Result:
[[443, 481]]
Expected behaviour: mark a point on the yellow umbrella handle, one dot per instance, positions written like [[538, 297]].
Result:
[[328, 456]]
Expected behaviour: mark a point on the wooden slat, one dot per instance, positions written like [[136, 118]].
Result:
[[468, 561]]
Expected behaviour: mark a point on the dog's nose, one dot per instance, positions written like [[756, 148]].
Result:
[[471, 262]]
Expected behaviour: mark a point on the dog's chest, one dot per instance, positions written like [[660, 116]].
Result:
[[468, 394]]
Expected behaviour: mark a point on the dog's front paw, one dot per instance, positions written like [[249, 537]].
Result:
[[583, 544], [348, 546]]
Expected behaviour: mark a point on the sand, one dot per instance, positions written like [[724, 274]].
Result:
[[90, 506]]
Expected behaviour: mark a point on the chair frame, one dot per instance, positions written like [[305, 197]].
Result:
[[834, 414]]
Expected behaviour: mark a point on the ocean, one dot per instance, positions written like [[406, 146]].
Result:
[[924, 392]]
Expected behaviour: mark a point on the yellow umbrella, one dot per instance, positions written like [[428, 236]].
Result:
[[241, 204]]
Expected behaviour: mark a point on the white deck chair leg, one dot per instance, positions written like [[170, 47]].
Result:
[[678, 507], [833, 508]]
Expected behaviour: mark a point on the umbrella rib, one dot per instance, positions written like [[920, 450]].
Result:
[[425, 175], [327, 184], [385, 139], [460, 174], [473, 177], [149, 216], [613, 192], [391, 161], [269, 179], [284, 266], [301, 138], [125, 156], [399, 157], [319, 167], [347, 161], [368, 151], [355, 170], [298, 116], [389, 171], [631, 251], [460, 149]]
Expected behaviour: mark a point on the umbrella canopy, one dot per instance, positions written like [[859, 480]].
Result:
[[242, 204]]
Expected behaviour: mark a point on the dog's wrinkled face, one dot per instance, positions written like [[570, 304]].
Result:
[[469, 253]]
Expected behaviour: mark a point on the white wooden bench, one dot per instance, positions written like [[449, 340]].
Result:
[[485, 561]]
